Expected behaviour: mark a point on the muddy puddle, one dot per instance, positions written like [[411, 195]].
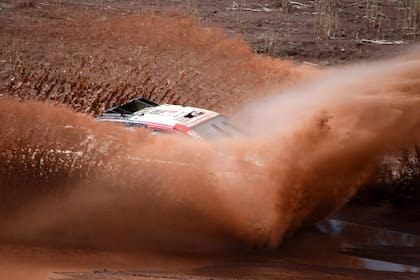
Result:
[[377, 248], [333, 249], [365, 235]]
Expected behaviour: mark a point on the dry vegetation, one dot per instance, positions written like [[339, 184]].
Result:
[[283, 6], [374, 18], [326, 20], [322, 32], [381, 21], [411, 19]]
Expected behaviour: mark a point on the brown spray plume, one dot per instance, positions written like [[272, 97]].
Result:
[[67, 180]]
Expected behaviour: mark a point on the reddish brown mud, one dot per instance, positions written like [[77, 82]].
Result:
[[74, 163], [70, 183]]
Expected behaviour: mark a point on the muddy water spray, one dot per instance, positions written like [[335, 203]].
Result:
[[66, 179]]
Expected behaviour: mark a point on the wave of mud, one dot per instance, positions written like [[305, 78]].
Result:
[[67, 180]]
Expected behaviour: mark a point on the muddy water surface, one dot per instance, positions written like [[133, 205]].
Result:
[[333, 249]]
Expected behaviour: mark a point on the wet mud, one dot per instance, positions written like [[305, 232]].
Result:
[[81, 167], [68, 182]]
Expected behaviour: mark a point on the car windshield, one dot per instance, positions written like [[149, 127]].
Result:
[[217, 128]]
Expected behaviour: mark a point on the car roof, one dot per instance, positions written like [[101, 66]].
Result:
[[171, 115]]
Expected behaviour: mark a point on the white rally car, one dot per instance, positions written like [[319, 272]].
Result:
[[194, 122]]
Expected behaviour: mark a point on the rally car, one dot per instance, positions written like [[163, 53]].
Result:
[[167, 118]]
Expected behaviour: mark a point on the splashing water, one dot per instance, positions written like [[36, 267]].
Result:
[[67, 180]]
